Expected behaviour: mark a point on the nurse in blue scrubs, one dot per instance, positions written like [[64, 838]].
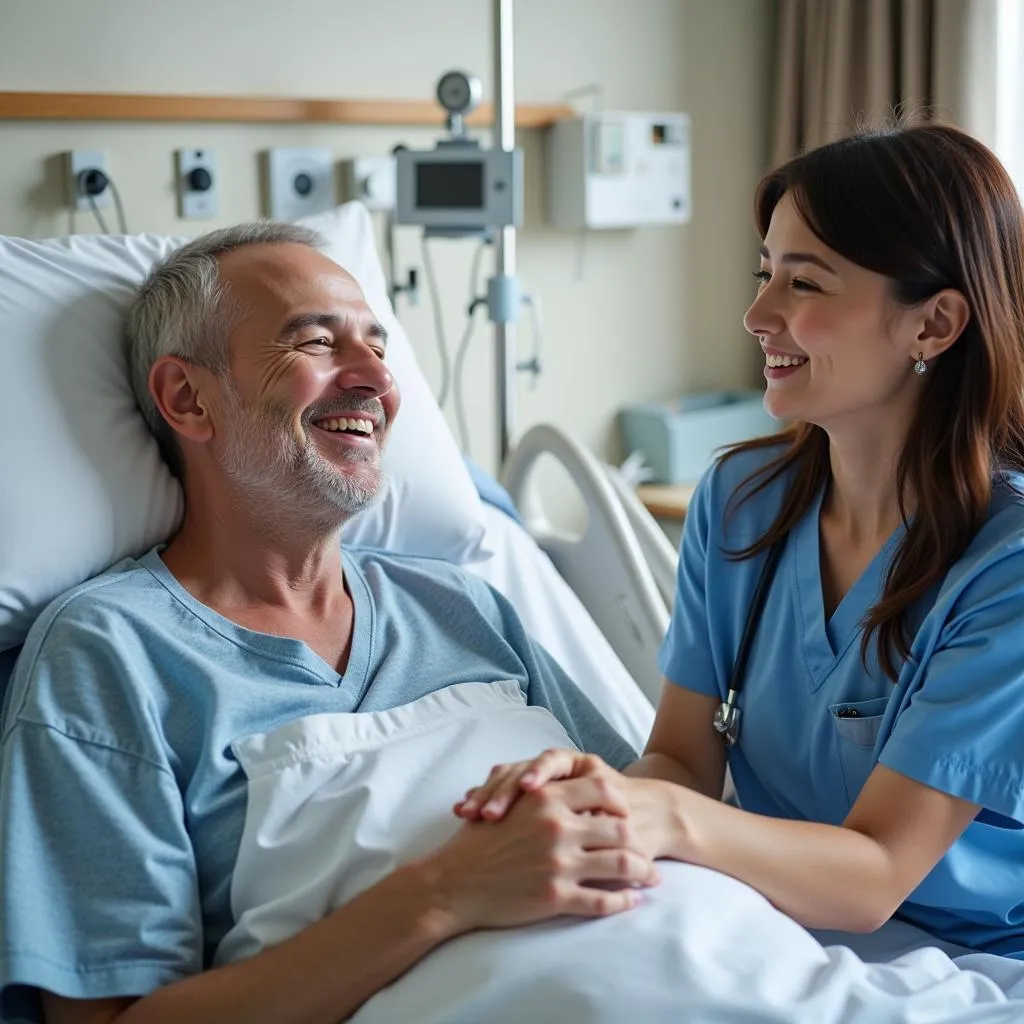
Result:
[[875, 734]]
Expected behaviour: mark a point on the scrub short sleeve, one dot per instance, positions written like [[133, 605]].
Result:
[[685, 657], [962, 731]]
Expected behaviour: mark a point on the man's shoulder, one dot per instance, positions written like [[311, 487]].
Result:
[[443, 587], [93, 617], [126, 587], [68, 669], [404, 569]]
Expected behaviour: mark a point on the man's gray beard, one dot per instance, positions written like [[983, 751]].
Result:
[[283, 480]]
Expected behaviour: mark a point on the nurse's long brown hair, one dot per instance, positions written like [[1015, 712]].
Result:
[[930, 208]]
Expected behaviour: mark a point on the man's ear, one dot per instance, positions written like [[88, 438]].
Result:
[[179, 390], [944, 317]]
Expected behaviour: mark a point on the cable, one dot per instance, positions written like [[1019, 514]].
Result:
[[435, 302], [474, 270], [475, 300], [93, 182], [460, 355], [121, 220], [96, 213], [389, 248], [533, 364]]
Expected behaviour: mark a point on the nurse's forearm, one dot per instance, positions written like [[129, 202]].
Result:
[[823, 876], [660, 766]]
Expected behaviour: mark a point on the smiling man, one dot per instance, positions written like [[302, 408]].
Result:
[[261, 369]]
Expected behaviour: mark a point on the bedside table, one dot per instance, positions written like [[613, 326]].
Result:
[[668, 504]]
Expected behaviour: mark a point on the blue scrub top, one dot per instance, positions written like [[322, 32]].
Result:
[[954, 720]]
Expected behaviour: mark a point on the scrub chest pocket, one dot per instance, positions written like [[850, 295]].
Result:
[[857, 725]]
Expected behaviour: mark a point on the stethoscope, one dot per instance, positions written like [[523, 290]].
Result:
[[727, 717]]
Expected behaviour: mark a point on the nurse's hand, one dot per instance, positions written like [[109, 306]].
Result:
[[507, 782], [554, 853]]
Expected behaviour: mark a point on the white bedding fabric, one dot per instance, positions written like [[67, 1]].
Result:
[[555, 617], [336, 801]]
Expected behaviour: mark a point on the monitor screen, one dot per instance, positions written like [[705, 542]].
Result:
[[450, 185]]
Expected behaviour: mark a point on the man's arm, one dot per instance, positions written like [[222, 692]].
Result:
[[321, 975], [531, 866]]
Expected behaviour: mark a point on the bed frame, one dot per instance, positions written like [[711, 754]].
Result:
[[622, 566]]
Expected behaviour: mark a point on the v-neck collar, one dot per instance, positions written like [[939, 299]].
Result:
[[281, 648], [826, 641]]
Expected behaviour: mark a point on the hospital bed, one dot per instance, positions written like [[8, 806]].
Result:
[[621, 566], [598, 601]]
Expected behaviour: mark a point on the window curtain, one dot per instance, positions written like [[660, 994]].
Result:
[[846, 64]]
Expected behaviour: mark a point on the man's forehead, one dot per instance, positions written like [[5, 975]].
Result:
[[287, 274]]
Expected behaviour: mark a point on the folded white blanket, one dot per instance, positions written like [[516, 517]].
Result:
[[336, 802]]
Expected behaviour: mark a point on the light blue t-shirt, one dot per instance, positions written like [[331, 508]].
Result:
[[121, 802], [815, 722]]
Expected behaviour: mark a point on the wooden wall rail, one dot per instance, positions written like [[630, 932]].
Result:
[[74, 106]]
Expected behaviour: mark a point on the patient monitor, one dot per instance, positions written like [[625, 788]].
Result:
[[459, 188]]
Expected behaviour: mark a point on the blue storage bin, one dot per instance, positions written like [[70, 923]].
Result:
[[679, 439]]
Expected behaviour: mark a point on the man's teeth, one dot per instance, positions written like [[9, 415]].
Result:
[[341, 423], [785, 360]]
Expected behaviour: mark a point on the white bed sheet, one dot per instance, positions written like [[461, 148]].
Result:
[[556, 619], [555, 616], [337, 801]]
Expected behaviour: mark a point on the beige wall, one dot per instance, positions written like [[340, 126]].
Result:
[[633, 315]]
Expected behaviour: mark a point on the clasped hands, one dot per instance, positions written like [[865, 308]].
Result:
[[606, 829]]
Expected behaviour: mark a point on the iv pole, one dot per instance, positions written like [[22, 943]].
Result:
[[502, 289]]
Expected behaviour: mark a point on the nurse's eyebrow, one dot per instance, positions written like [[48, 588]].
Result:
[[799, 257]]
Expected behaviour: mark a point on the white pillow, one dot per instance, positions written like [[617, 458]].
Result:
[[82, 483]]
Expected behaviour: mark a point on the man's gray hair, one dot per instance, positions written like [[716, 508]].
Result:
[[183, 309]]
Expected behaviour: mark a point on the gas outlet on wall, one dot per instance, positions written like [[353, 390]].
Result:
[[197, 183], [300, 182]]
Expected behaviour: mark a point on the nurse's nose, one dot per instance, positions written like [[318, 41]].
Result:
[[763, 316]]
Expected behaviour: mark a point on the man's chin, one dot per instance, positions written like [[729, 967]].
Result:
[[359, 497]]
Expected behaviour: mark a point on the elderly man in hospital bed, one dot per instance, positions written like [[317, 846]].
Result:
[[228, 766]]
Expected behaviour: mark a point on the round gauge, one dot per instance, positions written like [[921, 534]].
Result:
[[459, 92]]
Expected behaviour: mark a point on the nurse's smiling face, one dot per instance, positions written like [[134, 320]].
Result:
[[838, 348]]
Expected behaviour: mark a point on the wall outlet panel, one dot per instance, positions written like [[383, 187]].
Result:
[[300, 182], [198, 194], [372, 180], [79, 160]]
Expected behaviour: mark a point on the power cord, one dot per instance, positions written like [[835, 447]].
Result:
[[96, 213], [533, 364], [411, 288], [475, 301], [460, 409], [439, 333], [122, 221], [93, 182]]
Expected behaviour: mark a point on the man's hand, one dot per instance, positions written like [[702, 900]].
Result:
[[547, 857], [507, 782]]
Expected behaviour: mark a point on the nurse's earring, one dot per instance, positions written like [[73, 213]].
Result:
[[920, 366]]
